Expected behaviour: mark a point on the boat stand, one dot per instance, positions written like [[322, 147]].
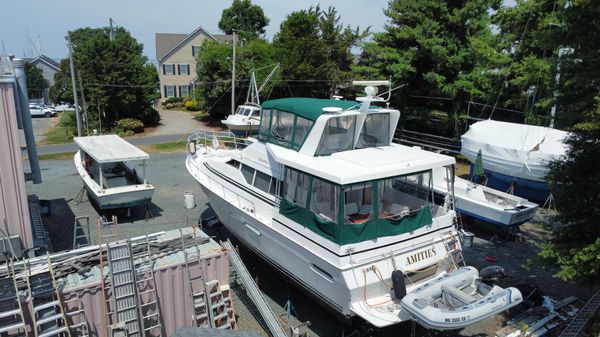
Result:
[[147, 212], [80, 195]]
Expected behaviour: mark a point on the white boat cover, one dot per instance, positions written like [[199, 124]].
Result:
[[109, 148], [517, 150]]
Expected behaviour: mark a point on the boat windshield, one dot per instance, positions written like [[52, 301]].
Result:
[[370, 209], [284, 128], [338, 135], [375, 131]]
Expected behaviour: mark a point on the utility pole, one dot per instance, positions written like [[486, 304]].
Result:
[[112, 30], [233, 78], [85, 114], [74, 86]]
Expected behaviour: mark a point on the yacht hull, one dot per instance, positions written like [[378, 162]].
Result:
[[350, 287]]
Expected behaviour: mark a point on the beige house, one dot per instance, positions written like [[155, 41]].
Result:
[[176, 55]]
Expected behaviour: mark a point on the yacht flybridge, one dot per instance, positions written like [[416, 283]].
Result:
[[326, 197]]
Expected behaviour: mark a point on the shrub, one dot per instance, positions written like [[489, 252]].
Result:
[[129, 133], [150, 117], [169, 106], [131, 124], [172, 100], [192, 105]]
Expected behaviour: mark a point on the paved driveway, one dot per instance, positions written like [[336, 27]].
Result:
[[41, 125]]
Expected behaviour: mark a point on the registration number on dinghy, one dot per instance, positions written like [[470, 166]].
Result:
[[457, 319]]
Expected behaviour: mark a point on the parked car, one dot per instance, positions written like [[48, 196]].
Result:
[[38, 110], [63, 107]]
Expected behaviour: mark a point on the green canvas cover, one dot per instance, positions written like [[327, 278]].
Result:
[[309, 108], [353, 233]]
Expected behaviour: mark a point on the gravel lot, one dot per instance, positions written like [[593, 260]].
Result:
[[166, 171]]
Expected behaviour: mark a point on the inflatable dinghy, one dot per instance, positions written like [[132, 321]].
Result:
[[458, 299]]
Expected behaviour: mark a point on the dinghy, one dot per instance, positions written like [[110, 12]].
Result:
[[457, 299], [487, 204]]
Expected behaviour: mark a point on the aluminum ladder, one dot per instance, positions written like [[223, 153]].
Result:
[[577, 326], [196, 284], [219, 313], [11, 314], [78, 321], [123, 285], [81, 232], [253, 292], [451, 245], [46, 308], [147, 296]]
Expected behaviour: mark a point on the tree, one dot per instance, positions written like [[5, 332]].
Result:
[[248, 20], [114, 75], [442, 49], [575, 248], [314, 50], [36, 83], [530, 32], [61, 90], [579, 86], [214, 73]]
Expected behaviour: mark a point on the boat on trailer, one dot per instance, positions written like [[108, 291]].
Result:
[[487, 204], [324, 196], [106, 166]]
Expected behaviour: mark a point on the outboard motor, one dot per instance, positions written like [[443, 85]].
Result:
[[491, 274], [399, 285]]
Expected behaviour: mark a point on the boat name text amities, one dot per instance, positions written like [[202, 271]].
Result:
[[420, 256]]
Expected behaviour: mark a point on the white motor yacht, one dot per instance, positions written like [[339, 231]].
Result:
[[324, 196]]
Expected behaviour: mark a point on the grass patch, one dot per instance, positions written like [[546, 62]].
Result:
[[164, 147], [57, 156], [463, 168], [57, 135]]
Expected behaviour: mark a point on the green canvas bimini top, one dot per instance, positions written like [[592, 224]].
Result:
[[310, 108]]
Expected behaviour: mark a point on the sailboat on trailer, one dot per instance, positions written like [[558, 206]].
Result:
[[353, 219]]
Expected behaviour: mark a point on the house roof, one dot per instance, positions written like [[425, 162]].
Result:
[[168, 43], [46, 60], [310, 108]]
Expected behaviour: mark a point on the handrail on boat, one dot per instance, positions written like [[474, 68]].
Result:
[[218, 139]]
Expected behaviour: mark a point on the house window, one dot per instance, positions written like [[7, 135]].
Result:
[[168, 69], [183, 69], [195, 51], [184, 90], [169, 91]]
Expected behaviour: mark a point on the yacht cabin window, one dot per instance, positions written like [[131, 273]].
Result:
[[324, 199], [283, 128], [404, 195], [248, 173], [358, 200], [375, 131], [262, 181], [358, 212], [296, 186], [337, 136]]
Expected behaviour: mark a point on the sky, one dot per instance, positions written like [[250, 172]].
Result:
[[26, 26]]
